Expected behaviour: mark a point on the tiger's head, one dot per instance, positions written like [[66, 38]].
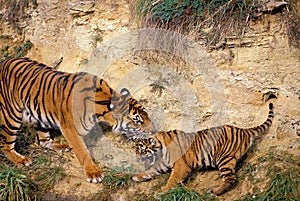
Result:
[[147, 150], [131, 118]]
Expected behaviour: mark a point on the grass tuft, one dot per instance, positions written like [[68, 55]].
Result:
[[215, 21], [180, 193], [14, 185], [49, 176], [283, 186], [283, 174], [118, 177], [212, 20]]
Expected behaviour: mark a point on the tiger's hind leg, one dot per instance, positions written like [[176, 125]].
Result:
[[45, 140], [228, 176], [10, 125], [179, 172], [43, 134]]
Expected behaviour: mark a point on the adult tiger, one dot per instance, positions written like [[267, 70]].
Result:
[[72, 102], [218, 147]]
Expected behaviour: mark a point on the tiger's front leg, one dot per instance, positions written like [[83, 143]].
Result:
[[76, 143]]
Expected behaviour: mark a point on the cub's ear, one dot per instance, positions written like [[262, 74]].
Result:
[[152, 141], [125, 92], [134, 139]]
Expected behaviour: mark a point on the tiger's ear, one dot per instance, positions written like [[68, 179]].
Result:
[[125, 92], [112, 106]]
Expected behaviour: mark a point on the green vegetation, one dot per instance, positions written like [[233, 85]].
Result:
[[118, 177], [283, 186], [283, 173], [49, 176], [14, 185], [272, 176], [16, 51], [180, 193], [213, 20]]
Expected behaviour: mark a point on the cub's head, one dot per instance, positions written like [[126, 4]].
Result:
[[147, 150], [131, 118]]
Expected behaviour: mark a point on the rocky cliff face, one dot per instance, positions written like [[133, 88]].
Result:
[[180, 82]]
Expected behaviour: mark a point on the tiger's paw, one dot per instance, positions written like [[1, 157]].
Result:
[[51, 144], [23, 162], [141, 177], [18, 159], [60, 148], [216, 190], [229, 183], [94, 177]]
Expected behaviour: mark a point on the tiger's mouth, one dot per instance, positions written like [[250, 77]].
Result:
[[148, 160]]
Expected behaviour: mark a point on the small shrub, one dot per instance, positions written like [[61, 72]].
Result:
[[15, 186], [23, 48], [221, 17], [18, 51]]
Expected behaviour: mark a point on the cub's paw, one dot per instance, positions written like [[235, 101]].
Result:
[[94, 177], [141, 177], [216, 190], [136, 178]]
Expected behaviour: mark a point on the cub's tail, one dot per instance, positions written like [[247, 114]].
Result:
[[264, 127]]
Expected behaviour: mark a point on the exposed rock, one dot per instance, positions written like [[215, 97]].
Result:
[[81, 8]]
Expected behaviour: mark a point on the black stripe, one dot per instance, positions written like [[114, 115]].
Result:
[[93, 87], [101, 114], [11, 142], [83, 125]]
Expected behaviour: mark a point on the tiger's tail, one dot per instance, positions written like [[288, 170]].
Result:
[[264, 127]]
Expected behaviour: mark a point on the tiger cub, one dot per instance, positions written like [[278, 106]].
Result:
[[71, 102], [218, 147]]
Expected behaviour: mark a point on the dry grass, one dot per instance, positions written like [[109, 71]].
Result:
[[212, 22], [292, 16]]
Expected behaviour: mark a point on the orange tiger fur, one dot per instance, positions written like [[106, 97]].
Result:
[[218, 147], [71, 102]]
